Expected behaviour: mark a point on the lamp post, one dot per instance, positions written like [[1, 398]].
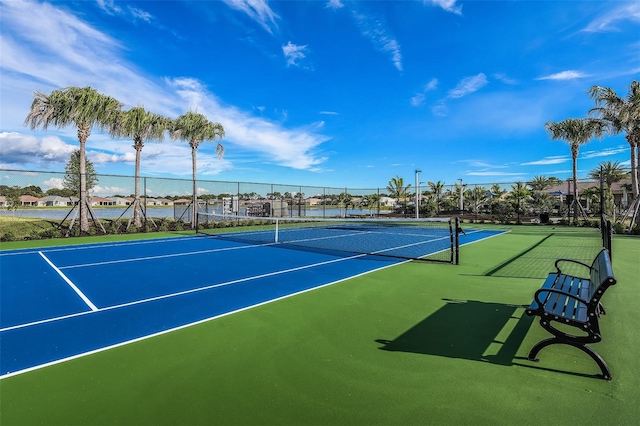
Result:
[[418, 193], [461, 197]]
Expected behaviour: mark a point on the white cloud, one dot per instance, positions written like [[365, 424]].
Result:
[[448, 5], [608, 21], [294, 53], [380, 37], [328, 113], [54, 183], [493, 173], [17, 149], [41, 43], [335, 4], [548, 160], [258, 10], [564, 75], [605, 152], [294, 148], [419, 98], [468, 85]]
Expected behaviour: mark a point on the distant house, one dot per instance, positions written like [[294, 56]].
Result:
[[165, 202], [313, 201], [119, 201], [621, 195], [29, 200], [99, 201], [152, 202], [3, 201], [387, 201], [55, 201], [181, 202]]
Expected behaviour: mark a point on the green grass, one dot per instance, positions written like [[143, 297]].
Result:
[[412, 344]]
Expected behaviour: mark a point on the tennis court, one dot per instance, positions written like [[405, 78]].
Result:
[[64, 302]]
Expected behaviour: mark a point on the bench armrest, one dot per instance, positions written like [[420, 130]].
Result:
[[553, 290], [557, 264]]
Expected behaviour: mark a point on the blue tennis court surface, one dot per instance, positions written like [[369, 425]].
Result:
[[60, 303]]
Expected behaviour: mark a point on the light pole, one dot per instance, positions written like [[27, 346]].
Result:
[[461, 197], [418, 193]]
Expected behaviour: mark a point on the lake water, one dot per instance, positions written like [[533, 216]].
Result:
[[155, 212]]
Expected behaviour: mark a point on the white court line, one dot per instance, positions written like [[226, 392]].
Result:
[[164, 256], [89, 246], [71, 284], [180, 293]]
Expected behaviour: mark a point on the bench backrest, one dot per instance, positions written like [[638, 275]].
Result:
[[601, 276]]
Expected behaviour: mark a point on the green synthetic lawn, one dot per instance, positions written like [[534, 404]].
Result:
[[416, 343]]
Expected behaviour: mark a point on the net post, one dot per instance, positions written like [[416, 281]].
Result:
[[456, 248], [276, 236]]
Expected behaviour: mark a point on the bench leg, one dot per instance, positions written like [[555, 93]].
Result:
[[606, 373]]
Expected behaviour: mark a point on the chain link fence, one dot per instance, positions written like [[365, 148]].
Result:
[[51, 196]]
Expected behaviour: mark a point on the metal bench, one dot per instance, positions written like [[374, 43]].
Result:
[[574, 301]]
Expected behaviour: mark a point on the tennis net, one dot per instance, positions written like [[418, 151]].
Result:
[[419, 239]]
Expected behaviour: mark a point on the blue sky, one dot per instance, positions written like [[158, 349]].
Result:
[[327, 93]]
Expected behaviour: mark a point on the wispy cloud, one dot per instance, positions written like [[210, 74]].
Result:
[[610, 20], [294, 53], [17, 149], [335, 4], [132, 13], [419, 98], [604, 152], [328, 113], [381, 38], [448, 5], [564, 75], [65, 51], [258, 10], [468, 85], [559, 159]]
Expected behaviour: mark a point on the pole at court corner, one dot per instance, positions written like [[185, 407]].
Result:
[[417, 194]]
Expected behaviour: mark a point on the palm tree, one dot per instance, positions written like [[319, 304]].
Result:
[[194, 128], [611, 172], [519, 193], [141, 125], [82, 107], [576, 131], [621, 115], [436, 189], [397, 189]]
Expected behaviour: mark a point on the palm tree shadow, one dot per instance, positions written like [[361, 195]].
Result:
[[467, 329]]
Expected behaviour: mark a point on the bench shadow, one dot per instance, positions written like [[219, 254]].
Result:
[[467, 329]]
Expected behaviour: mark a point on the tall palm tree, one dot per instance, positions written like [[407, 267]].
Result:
[[622, 115], [140, 125], [576, 132], [82, 107], [436, 189], [194, 128]]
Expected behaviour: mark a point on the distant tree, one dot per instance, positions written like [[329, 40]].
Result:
[[60, 192], [436, 189], [519, 196], [576, 132], [72, 176], [12, 195], [397, 188], [611, 172]]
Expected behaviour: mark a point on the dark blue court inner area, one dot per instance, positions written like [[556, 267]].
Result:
[[63, 302]]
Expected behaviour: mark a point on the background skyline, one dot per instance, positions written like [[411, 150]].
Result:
[[325, 93]]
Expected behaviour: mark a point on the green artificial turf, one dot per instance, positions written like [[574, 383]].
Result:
[[417, 343]]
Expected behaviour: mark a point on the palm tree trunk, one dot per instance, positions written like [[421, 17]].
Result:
[[575, 185], [634, 170], [83, 134], [194, 201], [136, 202]]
